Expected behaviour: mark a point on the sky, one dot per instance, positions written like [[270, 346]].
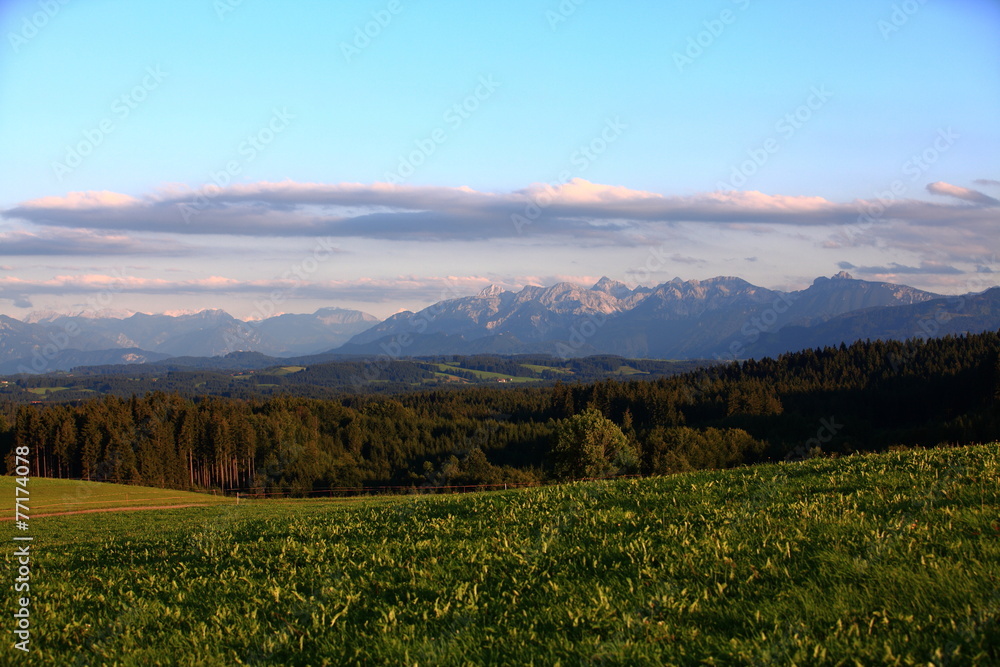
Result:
[[264, 157]]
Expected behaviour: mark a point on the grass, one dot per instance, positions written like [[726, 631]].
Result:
[[49, 496], [449, 377], [288, 370], [541, 369], [44, 391], [483, 375], [869, 560]]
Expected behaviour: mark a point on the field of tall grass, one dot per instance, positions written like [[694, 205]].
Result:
[[869, 560]]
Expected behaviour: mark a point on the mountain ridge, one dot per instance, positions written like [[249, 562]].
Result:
[[724, 317], [676, 319]]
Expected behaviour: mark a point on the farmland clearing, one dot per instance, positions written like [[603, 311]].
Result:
[[883, 559]]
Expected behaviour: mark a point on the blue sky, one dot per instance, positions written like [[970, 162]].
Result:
[[237, 153]]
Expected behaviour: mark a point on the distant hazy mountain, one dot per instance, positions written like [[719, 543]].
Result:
[[310, 334], [716, 318], [68, 358], [928, 319], [65, 341]]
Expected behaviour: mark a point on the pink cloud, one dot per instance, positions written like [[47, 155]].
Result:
[[958, 192], [84, 200]]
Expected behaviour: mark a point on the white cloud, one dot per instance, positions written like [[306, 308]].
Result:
[[83, 242], [577, 210], [958, 192]]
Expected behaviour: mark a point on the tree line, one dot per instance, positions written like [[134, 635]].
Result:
[[868, 396]]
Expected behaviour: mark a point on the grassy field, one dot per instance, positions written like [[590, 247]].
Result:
[[540, 369], [889, 559], [482, 375], [49, 496], [288, 370], [43, 391]]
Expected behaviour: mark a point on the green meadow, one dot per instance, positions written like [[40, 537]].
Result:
[[52, 496], [447, 369], [888, 559]]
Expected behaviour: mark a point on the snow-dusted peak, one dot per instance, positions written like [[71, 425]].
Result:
[[43, 316], [614, 288], [492, 290]]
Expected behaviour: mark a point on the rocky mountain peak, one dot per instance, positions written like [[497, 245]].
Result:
[[823, 280], [492, 290], [614, 288]]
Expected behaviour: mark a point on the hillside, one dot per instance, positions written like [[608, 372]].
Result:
[[879, 559], [923, 319], [57, 496], [836, 400]]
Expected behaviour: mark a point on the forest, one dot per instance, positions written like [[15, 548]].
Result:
[[869, 396], [326, 379]]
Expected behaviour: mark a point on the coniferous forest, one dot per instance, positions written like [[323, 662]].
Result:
[[869, 396]]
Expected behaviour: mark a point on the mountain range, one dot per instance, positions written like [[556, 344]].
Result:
[[722, 317], [60, 342], [718, 318]]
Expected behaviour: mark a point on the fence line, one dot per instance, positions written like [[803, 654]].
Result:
[[343, 491], [401, 489]]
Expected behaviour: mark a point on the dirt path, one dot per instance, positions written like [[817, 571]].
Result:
[[116, 509]]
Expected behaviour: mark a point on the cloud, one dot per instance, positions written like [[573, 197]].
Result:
[[895, 269], [685, 259], [81, 242], [846, 266], [580, 191], [94, 199], [986, 181], [958, 192], [363, 289], [410, 289], [579, 210]]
